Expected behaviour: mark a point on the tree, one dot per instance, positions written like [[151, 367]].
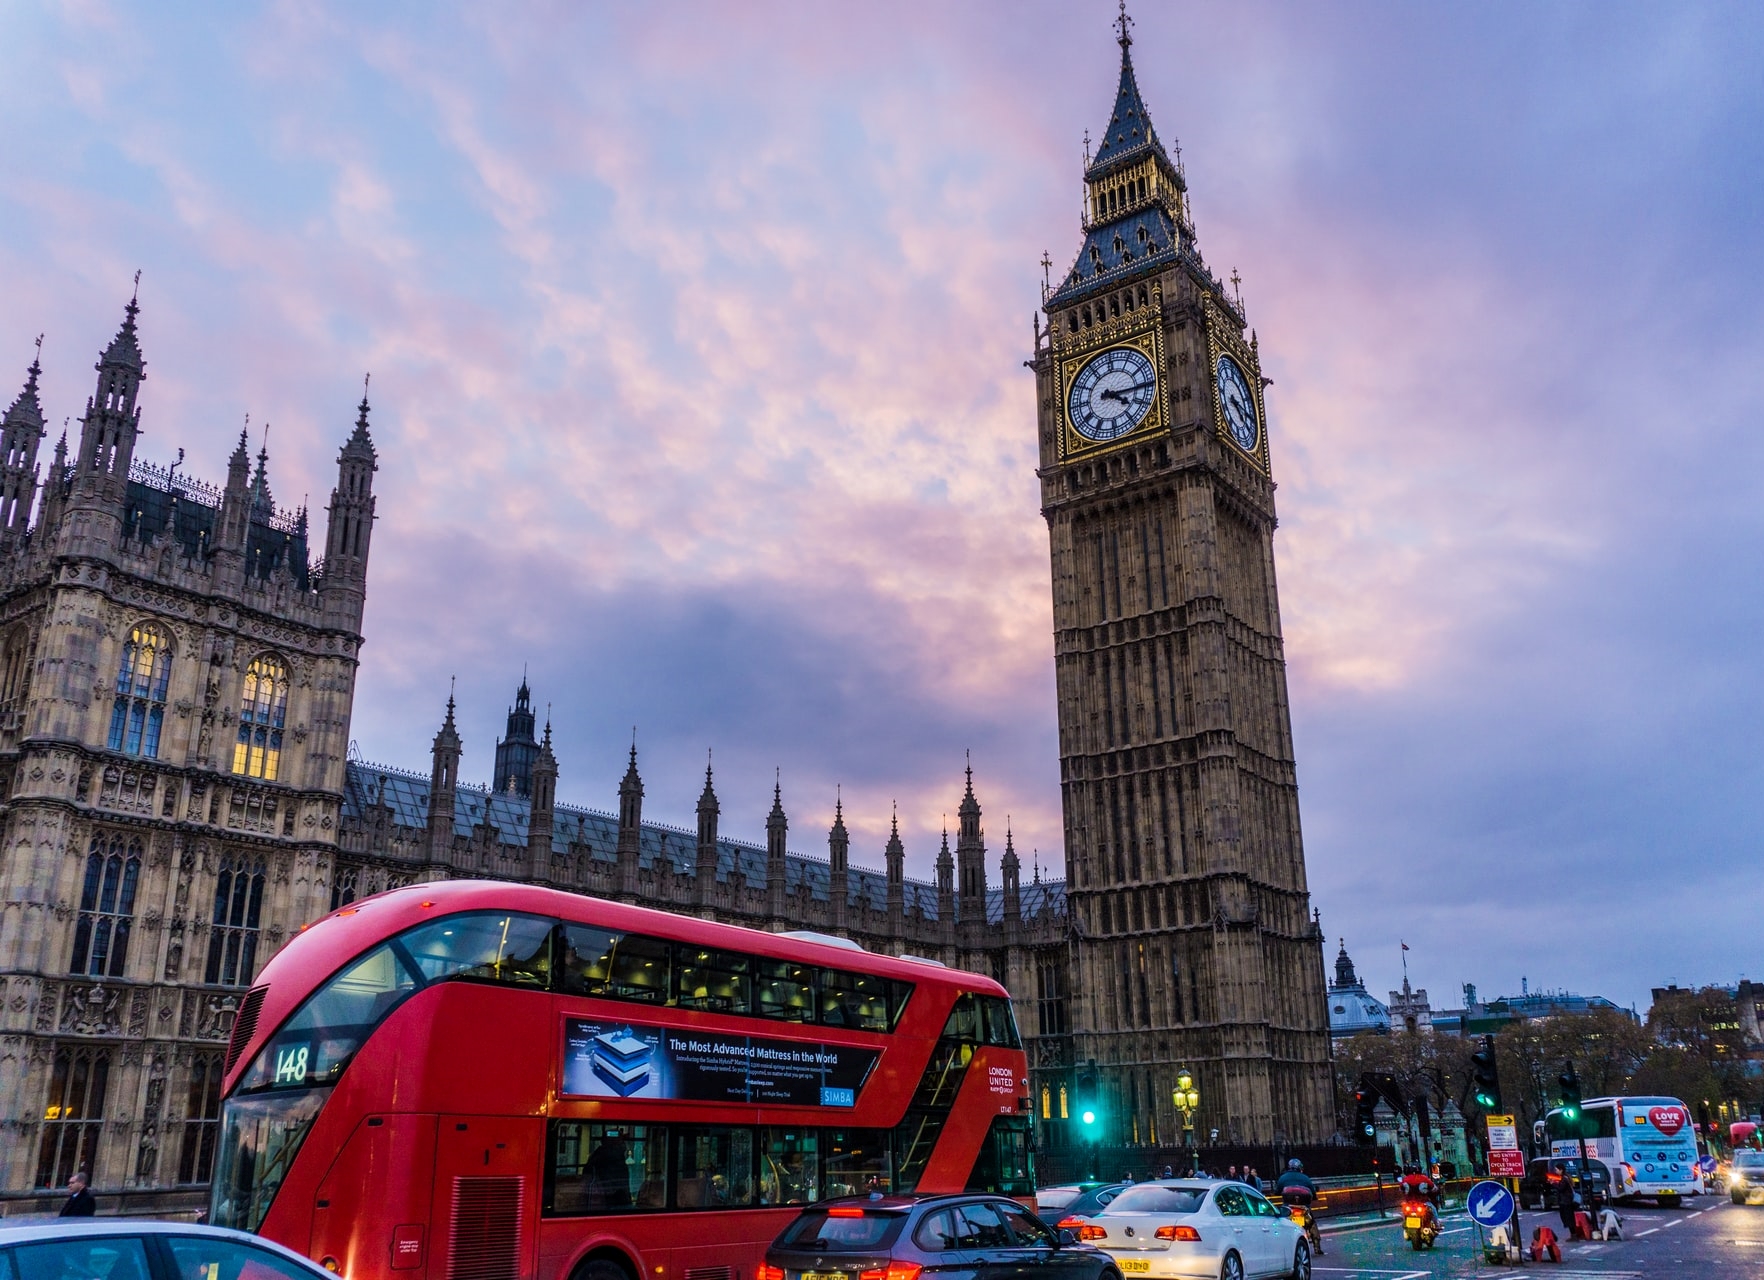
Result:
[[1702, 1024], [1607, 1047]]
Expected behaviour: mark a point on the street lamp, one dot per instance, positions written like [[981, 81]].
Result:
[[1187, 1100]]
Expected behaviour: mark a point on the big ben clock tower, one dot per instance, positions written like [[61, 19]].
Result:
[[1194, 942]]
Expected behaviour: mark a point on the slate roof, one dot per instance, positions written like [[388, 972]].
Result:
[[406, 793], [1129, 133], [1101, 264]]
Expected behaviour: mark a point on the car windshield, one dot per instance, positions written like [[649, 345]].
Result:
[[1748, 1160], [1156, 1199], [1056, 1197], [842, 1229]]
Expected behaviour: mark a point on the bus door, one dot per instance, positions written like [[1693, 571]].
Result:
[[486, 1196]]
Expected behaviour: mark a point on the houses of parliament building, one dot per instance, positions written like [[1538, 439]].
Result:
[[178, 667]]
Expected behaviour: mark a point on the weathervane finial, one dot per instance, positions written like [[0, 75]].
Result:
[[1124, 24]]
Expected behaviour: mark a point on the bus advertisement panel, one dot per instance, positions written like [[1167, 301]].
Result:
[[493, 1078], [634, 1060]]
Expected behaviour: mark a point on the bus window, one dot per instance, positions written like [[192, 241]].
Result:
[[510, 949], [314, 1046], [964, 1020], [713, 1168], [785, 990], [855, 1000], [619, 966], [604, 1168], [898, 995], [855, 1161], [720, 981], [1001, 1026], [789, 1170]]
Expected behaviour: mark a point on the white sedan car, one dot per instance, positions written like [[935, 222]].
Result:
[[1197, 1229]]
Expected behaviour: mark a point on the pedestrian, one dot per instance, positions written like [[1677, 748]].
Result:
[[80, 1203], [1231, 1174], [1169, 1171], [1565, 1204]]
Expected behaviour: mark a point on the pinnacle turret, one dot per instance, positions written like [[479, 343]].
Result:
[[1129, 132]]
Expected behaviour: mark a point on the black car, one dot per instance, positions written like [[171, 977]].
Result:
[[1067, 1206], [957, 1237], [1543, 1179]]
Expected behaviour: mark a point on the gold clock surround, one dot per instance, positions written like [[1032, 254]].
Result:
[[1148, 340], [1222, 341]]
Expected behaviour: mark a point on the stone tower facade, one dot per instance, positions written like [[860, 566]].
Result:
[[176, 682], [1194, 942]]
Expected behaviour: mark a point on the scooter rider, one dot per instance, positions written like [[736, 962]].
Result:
[[1296, 1189], [1420, 1189]]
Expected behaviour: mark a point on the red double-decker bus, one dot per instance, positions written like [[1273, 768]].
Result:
[[475, 1080]]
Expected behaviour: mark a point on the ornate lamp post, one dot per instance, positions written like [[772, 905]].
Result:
[[1187, 1100]]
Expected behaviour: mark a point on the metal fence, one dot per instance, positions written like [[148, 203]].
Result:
[[1321, 1160]]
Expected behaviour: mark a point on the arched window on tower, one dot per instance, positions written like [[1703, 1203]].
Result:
[[262, 710], [107, 908], [139, 709]]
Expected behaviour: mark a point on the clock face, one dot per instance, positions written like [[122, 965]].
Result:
[[1112, 394], [1238, 404]]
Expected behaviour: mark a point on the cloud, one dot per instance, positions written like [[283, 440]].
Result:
[[696, 340]]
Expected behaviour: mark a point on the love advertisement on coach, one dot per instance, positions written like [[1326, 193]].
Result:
[[681, 1064]]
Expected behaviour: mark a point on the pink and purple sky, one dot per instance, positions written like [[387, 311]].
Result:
[[697, 335]]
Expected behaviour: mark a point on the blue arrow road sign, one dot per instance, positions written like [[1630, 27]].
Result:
[[1490, 1204]]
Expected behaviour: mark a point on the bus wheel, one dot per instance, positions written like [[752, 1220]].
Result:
[[601, 1268]]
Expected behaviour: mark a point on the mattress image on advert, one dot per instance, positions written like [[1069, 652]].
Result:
[[636, 1060]]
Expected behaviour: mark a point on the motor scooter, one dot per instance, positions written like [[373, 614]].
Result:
[[1420, 1224], [1297, 1202]]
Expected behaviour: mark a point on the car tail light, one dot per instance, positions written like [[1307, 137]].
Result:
[[893, 1271], [1177, 1233], [1070, 1224], [1090, 1231], [769, 1273], [845, 1211]]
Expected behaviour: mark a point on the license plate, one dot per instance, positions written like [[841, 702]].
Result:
[[825, 1275], [1407, 1222], [1134, 1264]]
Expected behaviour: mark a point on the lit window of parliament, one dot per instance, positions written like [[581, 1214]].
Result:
[[177, 675]]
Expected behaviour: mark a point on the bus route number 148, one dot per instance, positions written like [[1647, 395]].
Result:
[[291, 1064]]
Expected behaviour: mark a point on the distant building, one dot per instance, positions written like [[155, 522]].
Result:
[[1352, 1008], [1411, 1010], [1748, 1015], [1478, 1018]]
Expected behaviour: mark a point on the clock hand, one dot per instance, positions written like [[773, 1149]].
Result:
[[1109, 393]]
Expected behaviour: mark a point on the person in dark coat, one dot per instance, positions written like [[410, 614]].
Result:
[[1566, 1203], [80, 1203]]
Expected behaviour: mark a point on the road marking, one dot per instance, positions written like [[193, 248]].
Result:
[[1650, 1231]]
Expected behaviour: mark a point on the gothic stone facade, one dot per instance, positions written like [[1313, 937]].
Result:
[[175, 690], [1194, 941]]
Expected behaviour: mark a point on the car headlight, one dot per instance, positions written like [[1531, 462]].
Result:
[[1737, 1178]]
